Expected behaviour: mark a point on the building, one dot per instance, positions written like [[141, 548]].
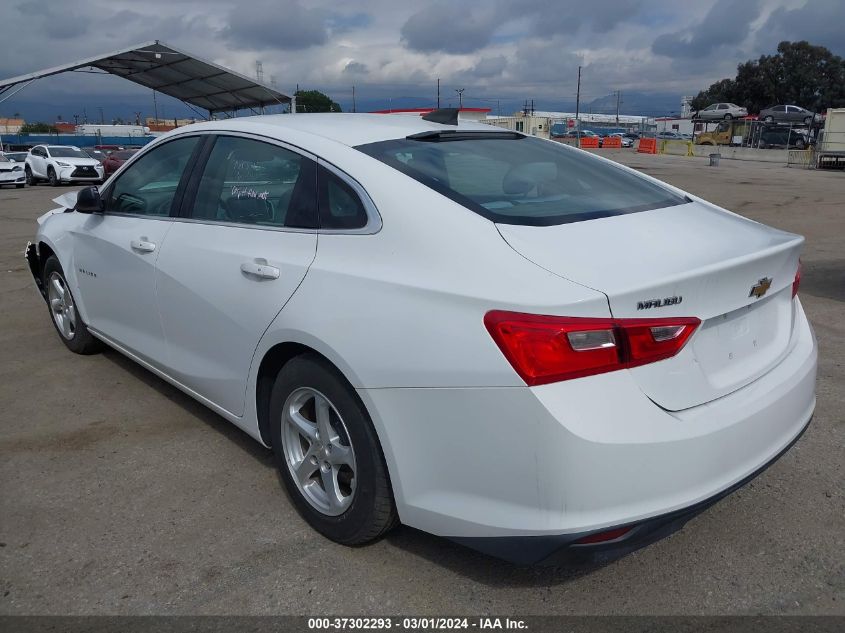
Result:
[[548, 124], [679, 125], [539, 126], [11, 126], [165, 125]]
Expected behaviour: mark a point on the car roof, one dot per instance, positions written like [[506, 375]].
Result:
[[346, 128]]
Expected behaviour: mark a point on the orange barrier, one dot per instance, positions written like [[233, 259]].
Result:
[[589, 142], [647, 146], [612, 142]]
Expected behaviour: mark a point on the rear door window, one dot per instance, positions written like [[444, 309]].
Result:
[[251, 182]]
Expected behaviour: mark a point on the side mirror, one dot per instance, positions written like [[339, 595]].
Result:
[[88, 201]]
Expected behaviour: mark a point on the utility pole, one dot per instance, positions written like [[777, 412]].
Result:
[[618, 94], [353, 100], [578, 101], [155, 106], [438, 93], [460, 92]]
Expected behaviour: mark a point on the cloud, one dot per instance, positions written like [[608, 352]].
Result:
[[818, 21], [449, 28], [727, 23], [355, 68], [283, 25], [600, 16], [393, 51]]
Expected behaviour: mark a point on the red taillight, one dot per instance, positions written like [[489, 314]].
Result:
[[604, 537], [797, 281], [544, 349]]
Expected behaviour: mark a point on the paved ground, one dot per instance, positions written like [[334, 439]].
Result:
[[121, 495]]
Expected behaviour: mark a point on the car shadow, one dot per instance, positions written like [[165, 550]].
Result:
[[485, 569], [238, 437], [824, 278]]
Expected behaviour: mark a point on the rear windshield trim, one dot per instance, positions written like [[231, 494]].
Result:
[[373, 150]]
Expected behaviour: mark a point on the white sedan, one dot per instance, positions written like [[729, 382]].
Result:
[[491, 337], [59, 164], [11, 173]]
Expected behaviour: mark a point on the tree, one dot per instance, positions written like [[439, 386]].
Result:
[[799, 74], [38, 128], [315, 101]]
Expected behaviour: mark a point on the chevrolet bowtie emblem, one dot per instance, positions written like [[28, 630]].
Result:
[[761, 287]]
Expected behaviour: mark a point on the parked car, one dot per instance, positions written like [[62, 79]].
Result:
[[11, 173], [789, 113], [581, 134], [476, 352], [627, 141], [721, 111], [93, 152], [116, 159], [16, 157], [777, 137], [61, 163], [670, 135]]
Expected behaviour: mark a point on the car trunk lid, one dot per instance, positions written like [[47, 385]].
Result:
[[688, 260]]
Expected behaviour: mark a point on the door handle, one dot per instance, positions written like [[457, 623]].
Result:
[[143, 245], [260, 268]]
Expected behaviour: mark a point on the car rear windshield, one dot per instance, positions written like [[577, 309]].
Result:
[[515, 179], [67, 152]]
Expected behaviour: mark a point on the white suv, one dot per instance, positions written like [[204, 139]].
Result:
[[61, 163]]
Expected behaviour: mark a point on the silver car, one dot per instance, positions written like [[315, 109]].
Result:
[[789, 113], [722, 111]]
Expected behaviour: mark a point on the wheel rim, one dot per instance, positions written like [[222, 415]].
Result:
[[28, 175], [318, 451], [61, 306]]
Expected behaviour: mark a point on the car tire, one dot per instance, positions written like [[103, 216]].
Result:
[[63, 313], [342, 489], [52, 178], [30, 179], [728, 117], [769, 119], [799, 144], [808, 120]]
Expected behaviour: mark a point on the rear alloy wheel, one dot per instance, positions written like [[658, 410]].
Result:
[[808, 120], [63, 312], [728, 117], [328, 453], [769, 119], [51, 176]]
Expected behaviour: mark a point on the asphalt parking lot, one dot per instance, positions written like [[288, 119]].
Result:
[[121, 495]]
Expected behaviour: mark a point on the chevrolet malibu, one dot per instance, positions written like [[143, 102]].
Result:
[[491, 337]]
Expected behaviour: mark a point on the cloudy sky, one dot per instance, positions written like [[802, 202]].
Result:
[[392, 50]]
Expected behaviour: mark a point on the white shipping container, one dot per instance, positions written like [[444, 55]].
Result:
[[112, 130]]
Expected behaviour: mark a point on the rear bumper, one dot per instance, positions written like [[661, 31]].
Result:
[[564, 548], [536, 469]]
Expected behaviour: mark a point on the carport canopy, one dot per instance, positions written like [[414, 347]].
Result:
[[172, 72]]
